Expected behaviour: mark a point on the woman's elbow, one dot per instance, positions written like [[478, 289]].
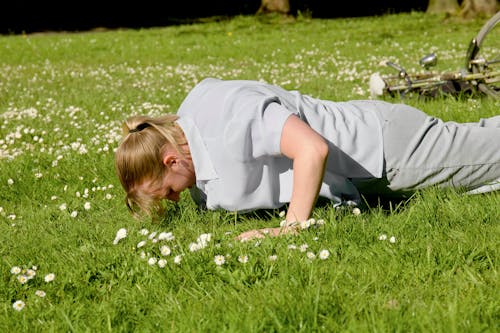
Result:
[[322, 149]]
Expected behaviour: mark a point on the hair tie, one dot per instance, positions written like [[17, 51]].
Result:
[[139, 127]]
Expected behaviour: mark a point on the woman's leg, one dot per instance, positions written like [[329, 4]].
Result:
[[423, 151]]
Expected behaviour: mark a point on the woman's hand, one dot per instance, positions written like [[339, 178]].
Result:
[[261, 233]]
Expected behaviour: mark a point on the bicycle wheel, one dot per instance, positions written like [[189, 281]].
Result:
[[483, 56]]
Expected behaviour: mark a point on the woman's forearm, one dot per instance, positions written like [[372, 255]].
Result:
[[308, 172]]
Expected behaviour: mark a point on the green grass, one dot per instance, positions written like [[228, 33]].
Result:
[[62, 99]]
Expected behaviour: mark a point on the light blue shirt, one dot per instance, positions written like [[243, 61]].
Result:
[[234, 128]]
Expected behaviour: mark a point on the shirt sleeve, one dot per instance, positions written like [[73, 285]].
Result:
[[257, 132]]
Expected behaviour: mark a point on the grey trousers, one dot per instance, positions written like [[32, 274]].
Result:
[[422, 151]]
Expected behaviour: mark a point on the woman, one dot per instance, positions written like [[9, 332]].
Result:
[[245, 145]]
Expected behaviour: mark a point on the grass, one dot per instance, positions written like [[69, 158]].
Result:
[[62, 99]]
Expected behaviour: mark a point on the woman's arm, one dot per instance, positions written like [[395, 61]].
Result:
[[309, 152]]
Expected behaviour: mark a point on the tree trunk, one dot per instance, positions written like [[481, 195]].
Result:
[[443, 7], [274, 6], [479, 8]]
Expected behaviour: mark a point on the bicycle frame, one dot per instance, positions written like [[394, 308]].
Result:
[[480, 75]]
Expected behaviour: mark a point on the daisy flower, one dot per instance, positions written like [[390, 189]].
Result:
[[15, 270], [165, 250], [324, 254], [193, 247], [40, 293], [49, 277], [219, 260], [162, 263], [273, 257], [22, 279], [392, 239], [320, 222], [30, 273], [243, 259], [178, 259], [303, 247], [168, 236], [382, 237], [18, 305], [120, 234], [203, 239], [141, 244], [152, 261], [310, 255], [144, 232]]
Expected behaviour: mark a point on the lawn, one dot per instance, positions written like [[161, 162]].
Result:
[[74, 259]]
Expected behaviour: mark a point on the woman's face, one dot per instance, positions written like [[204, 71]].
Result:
[[176, 179]]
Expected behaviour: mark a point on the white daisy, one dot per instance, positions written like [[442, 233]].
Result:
[[40, 293], [120, 234], [203, 239], [178, 259], [74, 213], [303, 247], [162, 263], [15, 270], [18, 305], [310, 255], [168, 236], [22, 278], [152, 261], [382, 237], [193, 247], [144, 232], [273, 257], [243, 259], [86, 205], [219, 260], [165, 250], [324, 254], [392, 239], [30, 273], [49, 277], [141, 244]]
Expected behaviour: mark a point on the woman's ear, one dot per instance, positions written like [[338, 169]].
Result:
[[169, 158]]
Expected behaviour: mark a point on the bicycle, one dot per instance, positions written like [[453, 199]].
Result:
[[480, 76]]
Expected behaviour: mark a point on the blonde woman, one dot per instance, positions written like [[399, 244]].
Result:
[[244, 145]]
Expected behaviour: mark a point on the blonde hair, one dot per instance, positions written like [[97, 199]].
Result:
[[139, 158]]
